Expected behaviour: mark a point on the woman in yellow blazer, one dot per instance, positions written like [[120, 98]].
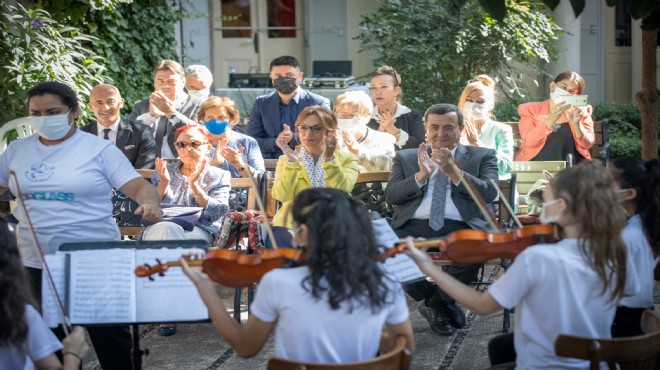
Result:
[[316, 162]]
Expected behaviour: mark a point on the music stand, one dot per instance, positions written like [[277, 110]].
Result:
[[137, 244]]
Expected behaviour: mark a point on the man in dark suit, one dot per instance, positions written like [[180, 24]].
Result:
[[427, 189], [273, 115], [168, 107], [135, 140]]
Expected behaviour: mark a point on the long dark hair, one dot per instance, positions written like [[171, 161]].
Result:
[[590, 198], [14, 290], [644, 177], [341, 247]]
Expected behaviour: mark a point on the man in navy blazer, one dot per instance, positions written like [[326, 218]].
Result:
[[423, 209], [135, 140], [273, 115]]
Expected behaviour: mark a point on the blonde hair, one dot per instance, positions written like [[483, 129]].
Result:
[[222, 102], [389, 71], [486, 85], [589, 194], [356, 98]]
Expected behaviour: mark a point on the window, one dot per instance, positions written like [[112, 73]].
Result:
[[281, 14], [236, 13]]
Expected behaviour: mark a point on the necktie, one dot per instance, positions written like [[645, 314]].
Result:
[[106, 131], [437, 219]]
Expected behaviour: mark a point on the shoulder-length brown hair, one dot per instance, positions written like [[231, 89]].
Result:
[[590, 198], [328, 119]]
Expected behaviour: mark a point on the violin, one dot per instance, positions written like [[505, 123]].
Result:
[[232, 268], [478, 246]]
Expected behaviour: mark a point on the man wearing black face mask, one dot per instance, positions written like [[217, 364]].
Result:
[[274, 114]]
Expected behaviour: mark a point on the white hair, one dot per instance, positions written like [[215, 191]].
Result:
[[201, 73]]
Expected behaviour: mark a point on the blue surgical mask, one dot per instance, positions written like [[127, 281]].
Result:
[[216, 127], [51, 127]]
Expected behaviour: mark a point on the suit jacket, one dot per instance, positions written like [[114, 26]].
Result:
[[264, 124], [135, 140], [167, 126], [534, 132], [479, 165]]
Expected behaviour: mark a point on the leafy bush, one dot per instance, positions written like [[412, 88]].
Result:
[[438, 45], [36, 48], [623, 146], [624, 118]]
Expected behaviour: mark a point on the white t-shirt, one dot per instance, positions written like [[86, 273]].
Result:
[[309, 330], [67, 190], [641, 258], [39, 344], [554, 292]]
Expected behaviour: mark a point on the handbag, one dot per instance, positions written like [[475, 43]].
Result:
[[183, 216]]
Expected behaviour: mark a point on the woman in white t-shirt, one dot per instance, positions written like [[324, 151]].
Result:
[[570, 287], [26, 342], [637, 183], [331, 310]]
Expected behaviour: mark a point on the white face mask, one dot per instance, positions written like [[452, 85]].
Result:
[[51, 127], [475, 110], [545, 219], [557, 95], [200, 94], [354, 123]]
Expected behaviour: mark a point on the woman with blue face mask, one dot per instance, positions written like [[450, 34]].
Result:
[[65, 178], [553, 129], [232, 151], [477, 102], [374, 149]]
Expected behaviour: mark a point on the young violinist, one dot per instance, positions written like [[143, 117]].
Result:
[[25, 339], [637, 183], [570, 287], [331, 310]]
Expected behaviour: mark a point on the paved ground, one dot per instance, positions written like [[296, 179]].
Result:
[[198, 346]]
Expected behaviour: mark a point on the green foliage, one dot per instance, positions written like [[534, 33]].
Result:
[[626, 147], [625, 119], [35, 48], [132, 39], [438, 45]]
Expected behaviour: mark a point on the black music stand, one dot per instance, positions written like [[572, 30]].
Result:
[[140, 244]]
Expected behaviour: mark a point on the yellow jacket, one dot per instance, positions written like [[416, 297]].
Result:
[[292, 178]]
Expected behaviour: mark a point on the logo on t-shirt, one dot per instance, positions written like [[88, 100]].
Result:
[[40, 172]]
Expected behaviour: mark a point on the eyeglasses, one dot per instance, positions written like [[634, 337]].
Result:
[[446, 128], [314, 129], [192, 145]]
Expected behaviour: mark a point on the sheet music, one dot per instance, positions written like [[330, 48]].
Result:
[[403, 268], [173, 291], [102, 286], [57, 266]]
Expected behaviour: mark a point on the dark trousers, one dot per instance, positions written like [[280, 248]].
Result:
[[627, 322], [434, 296], [501, 350], [112, 344]]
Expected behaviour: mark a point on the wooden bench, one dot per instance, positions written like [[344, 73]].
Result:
[[600, 150], [370, 189]]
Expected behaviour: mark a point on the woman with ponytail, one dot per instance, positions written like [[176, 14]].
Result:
[[637, 183], [570, 287], [331, 310], [477, 102]]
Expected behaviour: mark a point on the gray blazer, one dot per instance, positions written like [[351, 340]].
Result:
[[166, 126], [135, 140], [479, 164]]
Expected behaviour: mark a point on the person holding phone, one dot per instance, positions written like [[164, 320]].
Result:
[[553, 128]]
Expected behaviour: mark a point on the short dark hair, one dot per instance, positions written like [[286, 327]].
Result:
[[66, 94], [285, 60], [441, 109]]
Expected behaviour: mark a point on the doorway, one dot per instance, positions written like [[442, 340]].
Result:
[[248, 34]]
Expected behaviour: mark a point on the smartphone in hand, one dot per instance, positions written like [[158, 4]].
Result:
[[575, 100]]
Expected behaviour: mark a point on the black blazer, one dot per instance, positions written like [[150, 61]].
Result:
[[412, 123], [135, 140], [167, 126]]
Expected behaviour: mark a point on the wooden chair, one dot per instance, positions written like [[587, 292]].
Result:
[[639, 353], [601, 148], [398, 358], [370, 189]]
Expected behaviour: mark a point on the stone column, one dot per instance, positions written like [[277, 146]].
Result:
[[568, 44]]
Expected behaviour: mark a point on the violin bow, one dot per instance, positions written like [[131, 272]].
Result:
[[479, 200], [64, 318], [260, 203], [506, 203]]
